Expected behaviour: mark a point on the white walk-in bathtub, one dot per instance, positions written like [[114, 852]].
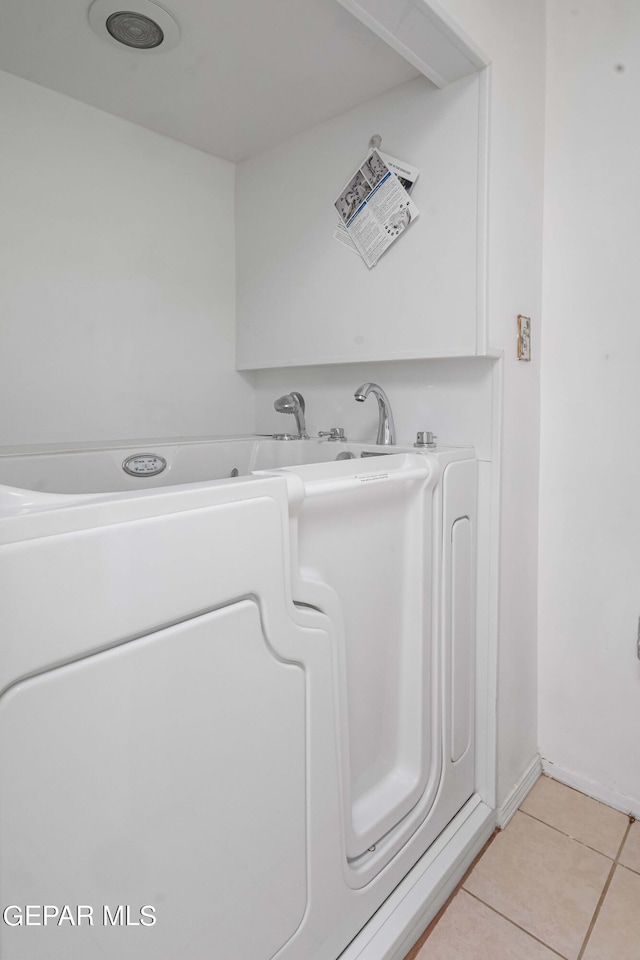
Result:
[[237, 697]]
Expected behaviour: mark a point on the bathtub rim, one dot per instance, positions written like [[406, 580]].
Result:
[[18, 501]]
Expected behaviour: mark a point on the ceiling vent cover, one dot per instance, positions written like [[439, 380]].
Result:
[[142, 25], [135, 30]]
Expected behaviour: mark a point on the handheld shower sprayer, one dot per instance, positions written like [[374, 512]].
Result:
[[293, 403]]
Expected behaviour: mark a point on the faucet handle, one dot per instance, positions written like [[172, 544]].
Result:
[[425, 438], [336, 433]]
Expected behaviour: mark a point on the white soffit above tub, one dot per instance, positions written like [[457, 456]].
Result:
[[245, 75], [424, 34]]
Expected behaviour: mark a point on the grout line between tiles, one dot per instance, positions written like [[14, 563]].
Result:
[[514, 924], [562, 832], [605, 890]]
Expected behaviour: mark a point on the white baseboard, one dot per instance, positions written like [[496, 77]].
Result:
[[402, 919], [610, 796], [526, 782]]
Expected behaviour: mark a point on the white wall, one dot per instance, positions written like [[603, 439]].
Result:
[[511, 33], [303, 297], [590, 507], [116, 278]]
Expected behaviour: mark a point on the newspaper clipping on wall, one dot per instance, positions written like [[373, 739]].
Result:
[[375, 206]]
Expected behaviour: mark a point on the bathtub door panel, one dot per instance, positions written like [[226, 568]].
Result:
[[368, 542], [168, 772]]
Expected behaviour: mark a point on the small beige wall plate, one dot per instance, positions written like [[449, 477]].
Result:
[[524, 337]]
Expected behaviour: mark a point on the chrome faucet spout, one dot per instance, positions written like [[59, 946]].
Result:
[[294, 403], [386, 426]]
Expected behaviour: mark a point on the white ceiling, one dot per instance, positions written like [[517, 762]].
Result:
[[245, 75]]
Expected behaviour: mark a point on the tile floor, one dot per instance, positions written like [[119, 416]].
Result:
[[563, 880]]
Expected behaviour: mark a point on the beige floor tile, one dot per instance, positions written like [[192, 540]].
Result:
[[578, 816], [616, 935], [543, 881], [470, 931], [630, 855]]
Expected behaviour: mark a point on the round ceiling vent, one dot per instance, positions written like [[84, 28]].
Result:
[[134, 30], [139, 24]]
